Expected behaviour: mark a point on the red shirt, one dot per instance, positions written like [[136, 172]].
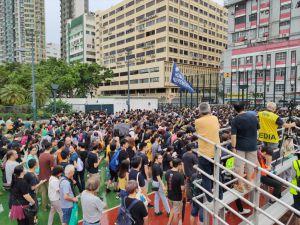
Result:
[[46, 162]]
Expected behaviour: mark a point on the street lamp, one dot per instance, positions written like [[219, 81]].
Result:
[[128, 75], [54, 88]]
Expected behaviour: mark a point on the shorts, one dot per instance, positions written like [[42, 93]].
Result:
[[113, 175], [296, 204], [66, 215], [240, 165], [176, 206]]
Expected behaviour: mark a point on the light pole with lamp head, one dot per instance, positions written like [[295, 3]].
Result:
[[54, 88], [128, 78]]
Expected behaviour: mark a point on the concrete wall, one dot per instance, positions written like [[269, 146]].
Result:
[[119, 103]]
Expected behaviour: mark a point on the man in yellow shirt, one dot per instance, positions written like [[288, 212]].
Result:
[[208, 127], [269, 123]]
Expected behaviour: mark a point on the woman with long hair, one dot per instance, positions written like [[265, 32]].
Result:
[[123, 177], [21, 198], [158, 185]]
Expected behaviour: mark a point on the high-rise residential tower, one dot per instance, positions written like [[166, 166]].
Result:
[[22, 23], [70, 9], [192, 33], [262, 62], [52, 50]]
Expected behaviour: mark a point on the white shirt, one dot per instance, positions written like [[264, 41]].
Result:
[[53, 189]]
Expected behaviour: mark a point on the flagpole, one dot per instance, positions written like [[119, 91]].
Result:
[[186, 95], [192, 93], [197, 90]]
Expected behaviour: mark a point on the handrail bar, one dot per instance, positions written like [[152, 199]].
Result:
[[246, 161]]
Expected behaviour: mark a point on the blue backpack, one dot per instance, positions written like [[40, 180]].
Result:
[[124, 216], [114, 162]]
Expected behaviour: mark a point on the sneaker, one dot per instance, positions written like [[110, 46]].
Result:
[[159, 213], [150, 205], [245, 211], [117, 196]]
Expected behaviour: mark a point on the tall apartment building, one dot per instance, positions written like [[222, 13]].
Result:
[[70, 9], [263, 53], [81, 39], [191, 33], [19, 21], [53, 50]]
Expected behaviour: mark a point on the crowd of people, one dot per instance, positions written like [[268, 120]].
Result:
[[59, 160]]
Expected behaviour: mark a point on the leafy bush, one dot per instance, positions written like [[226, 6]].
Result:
[[61, 107]]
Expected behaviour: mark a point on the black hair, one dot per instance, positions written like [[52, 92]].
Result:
[[31, 163], [268, 150], [113, 146], [47, 145], [124, 167], [60, 144], [57, 170], [176, 162], [17, 172], [239, 106], [123, 142], [142, 145], [136, 161], [64, 154]]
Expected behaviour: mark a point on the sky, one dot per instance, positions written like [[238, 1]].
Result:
[[53, 15]]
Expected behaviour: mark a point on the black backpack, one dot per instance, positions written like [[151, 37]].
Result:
[[124, 217]]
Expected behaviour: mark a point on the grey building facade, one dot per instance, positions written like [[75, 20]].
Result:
[[69, 9], [262, 61]]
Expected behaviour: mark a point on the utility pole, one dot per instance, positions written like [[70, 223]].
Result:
[[128, 78], [33, 76]]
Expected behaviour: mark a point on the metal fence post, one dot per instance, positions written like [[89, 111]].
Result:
[[216, 184], [256, 195]]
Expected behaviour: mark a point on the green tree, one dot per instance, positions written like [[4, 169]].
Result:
[[89, 77], [13, 94], [42, 94]]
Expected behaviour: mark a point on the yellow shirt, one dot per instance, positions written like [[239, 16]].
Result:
[[268, 127], [208, 127], [122, 182]]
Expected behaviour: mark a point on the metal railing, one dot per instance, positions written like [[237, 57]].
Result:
[[218, 205]]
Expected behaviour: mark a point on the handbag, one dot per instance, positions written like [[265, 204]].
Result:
[[30, 210], [155, 185], [140, 196], [74, 215]]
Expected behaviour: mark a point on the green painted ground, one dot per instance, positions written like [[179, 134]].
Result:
[[110, 198]]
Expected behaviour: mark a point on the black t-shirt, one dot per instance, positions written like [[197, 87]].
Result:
[[156, 171], [32, 180], [138, 211], [82, 155], [245, 127], [130, 152], [189, 159], [174, 181], [92, 159], [133, 176], [20, 188], [123, 155], [144, 162], [166, 161]]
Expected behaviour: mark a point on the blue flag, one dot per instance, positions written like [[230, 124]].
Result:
[[177, 78]]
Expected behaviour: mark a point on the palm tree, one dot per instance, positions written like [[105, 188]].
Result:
[[42, 94], [12, 94]]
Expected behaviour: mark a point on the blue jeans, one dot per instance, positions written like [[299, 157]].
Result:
[[66, 215], [197, 209], [160, 195], [207, 183], [123, 195], [87, 223]]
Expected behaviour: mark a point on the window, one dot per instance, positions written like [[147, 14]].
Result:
[[249, 60], [159, 30], [284, 23], [240, 20], [293, 56], [268, 59], [280, 56], [280, 72], [161, 19], [233, 62], [150, 33], [161, 40], [259, 58], [140, 8], [159, 50], [151, 13], [279, 87], [253, 17], [149, 4], [161, 9], [284, 7]]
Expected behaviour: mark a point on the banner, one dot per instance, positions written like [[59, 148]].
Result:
[[177, 78]]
